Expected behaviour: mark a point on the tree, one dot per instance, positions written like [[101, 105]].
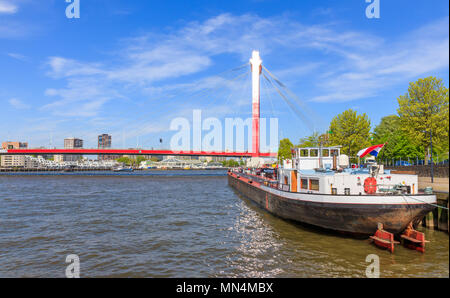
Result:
[[398, 144], [140, 159], [124, 160], [310, 141], [422, 109], [230, 163], [315, 140], [351, 131], [284, 150]]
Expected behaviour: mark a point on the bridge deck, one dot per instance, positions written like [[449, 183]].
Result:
[[130, 152]]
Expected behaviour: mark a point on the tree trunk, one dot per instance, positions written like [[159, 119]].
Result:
[[427, 154]]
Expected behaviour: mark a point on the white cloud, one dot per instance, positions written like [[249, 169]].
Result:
[[347, 65], [18, 104], [364, 74], [83, 97], [62, 67], [7, 7], [18, 56]]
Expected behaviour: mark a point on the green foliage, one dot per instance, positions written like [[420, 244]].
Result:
[[131, 161], [140, 159], [315, 140], [284, 150], [124, 160], [398, 144], [154, 159], [310, 141], [230, 163], [423, 108], [350, 130]]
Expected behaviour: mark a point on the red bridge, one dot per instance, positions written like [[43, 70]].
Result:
[[256, 65], [131, 152]]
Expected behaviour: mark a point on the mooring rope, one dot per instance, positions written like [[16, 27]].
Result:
[[438, 206]]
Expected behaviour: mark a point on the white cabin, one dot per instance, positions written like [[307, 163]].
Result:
[[326, 171]]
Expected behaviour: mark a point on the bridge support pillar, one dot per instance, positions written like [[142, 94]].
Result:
[[256, 63]]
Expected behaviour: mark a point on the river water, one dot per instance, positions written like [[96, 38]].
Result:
[[177, 224]]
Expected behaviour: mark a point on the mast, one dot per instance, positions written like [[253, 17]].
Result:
[[255, 62]]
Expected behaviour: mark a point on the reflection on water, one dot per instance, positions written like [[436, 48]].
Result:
[[179, 226]]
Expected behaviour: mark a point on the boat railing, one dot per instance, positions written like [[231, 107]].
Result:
[[258, 179]]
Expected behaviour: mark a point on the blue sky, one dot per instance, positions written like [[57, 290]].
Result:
[[129, 67]]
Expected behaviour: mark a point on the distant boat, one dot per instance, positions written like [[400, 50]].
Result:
[[70, 168], [122, 169]]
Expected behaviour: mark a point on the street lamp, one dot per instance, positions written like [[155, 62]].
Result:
[[431, 149]]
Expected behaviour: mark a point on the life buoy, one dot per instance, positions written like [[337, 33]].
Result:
[[370, 185]]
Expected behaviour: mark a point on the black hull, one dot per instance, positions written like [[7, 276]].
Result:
[[357, 219]]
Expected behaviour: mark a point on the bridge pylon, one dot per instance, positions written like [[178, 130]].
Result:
[[256, 64]]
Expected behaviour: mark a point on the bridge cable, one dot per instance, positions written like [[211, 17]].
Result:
[[269, 96], [295, 97], [207, 93], [215, 100], [291, 105], [198, 83]]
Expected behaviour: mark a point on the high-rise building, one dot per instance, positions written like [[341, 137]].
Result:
[[73, 143], [104, 142], [13, 160], [70, 143], [14, 145]]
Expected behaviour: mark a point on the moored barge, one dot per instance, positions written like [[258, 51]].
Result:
[[319, 187]]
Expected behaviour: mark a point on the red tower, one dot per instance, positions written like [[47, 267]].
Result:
[[256, 63]]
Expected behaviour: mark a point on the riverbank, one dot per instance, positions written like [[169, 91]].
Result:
[[439, 184], [439, 218]]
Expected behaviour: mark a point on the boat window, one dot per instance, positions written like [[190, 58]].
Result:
[[325, 152], [334, 152], [304, 183], [314, 152], [313, 184], [304, 153]]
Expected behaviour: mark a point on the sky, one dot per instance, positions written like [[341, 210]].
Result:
[[128, 68]]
